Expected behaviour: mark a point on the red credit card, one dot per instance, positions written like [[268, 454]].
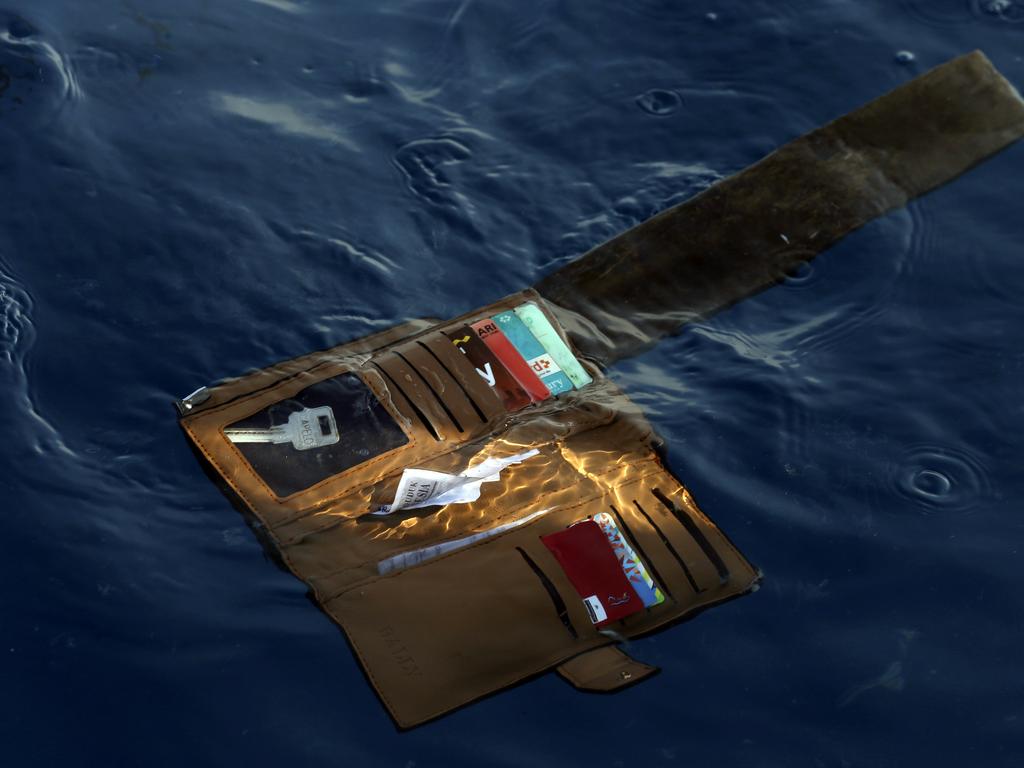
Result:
[[490, 368], [502, 348], [590, 563]]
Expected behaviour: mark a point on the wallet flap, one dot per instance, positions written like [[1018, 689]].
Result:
[[604, 669]]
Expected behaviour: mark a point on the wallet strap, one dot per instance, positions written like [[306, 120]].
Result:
[[604, 669], [748, 231]]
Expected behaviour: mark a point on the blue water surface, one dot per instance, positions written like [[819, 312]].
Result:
[[193, 189]]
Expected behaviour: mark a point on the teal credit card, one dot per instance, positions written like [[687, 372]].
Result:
[[539, 325], [536, 356]]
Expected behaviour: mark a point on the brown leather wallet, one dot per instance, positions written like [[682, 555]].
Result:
[[440, 633]]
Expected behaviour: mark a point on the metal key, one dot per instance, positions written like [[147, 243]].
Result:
[[305, 429]]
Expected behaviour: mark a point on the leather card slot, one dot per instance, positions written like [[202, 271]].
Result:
[[412, 404], [647, 561], [415, 387], [432, 389], [479, 393], [556, 598], [454, 378], [670, 547], [696, 533]]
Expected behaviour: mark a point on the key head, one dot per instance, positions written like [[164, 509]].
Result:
[[313, 428]]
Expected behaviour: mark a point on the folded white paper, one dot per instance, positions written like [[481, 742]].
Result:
[[427, 488]]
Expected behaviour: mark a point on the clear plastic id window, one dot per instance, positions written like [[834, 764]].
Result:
[[326, 428]]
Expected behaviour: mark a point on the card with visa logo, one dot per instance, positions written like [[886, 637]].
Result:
[[490, 368], [631, 564], [593, 569], [536, 356], [498, 342]]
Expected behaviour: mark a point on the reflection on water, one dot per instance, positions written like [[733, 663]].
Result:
[[1004, 10], [282, 117], [891, 679], [282, 5], [659, 102]]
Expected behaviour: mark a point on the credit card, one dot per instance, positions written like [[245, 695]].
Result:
[[507, 354], [631, 564], [546, 334], [540, 362], [490, 368], [590, 564]]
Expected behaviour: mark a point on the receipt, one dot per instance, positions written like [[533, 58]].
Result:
[[427, 488]]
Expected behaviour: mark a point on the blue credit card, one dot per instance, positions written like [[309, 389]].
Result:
[[536, 356], [546, 334]]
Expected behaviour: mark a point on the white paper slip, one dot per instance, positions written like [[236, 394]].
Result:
[[427, 488]]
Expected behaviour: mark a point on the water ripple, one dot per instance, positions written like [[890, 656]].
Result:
[[658, 185], [957, 13], [976, 327], [802, 276], [15, 322], [35, 78], [855, 302], [940, 13], [337, 248], [941, 478], [1011, 11], [17, 333], [659, 102], [422, 162]]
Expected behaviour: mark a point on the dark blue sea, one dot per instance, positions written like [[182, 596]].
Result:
[[194, 189]]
